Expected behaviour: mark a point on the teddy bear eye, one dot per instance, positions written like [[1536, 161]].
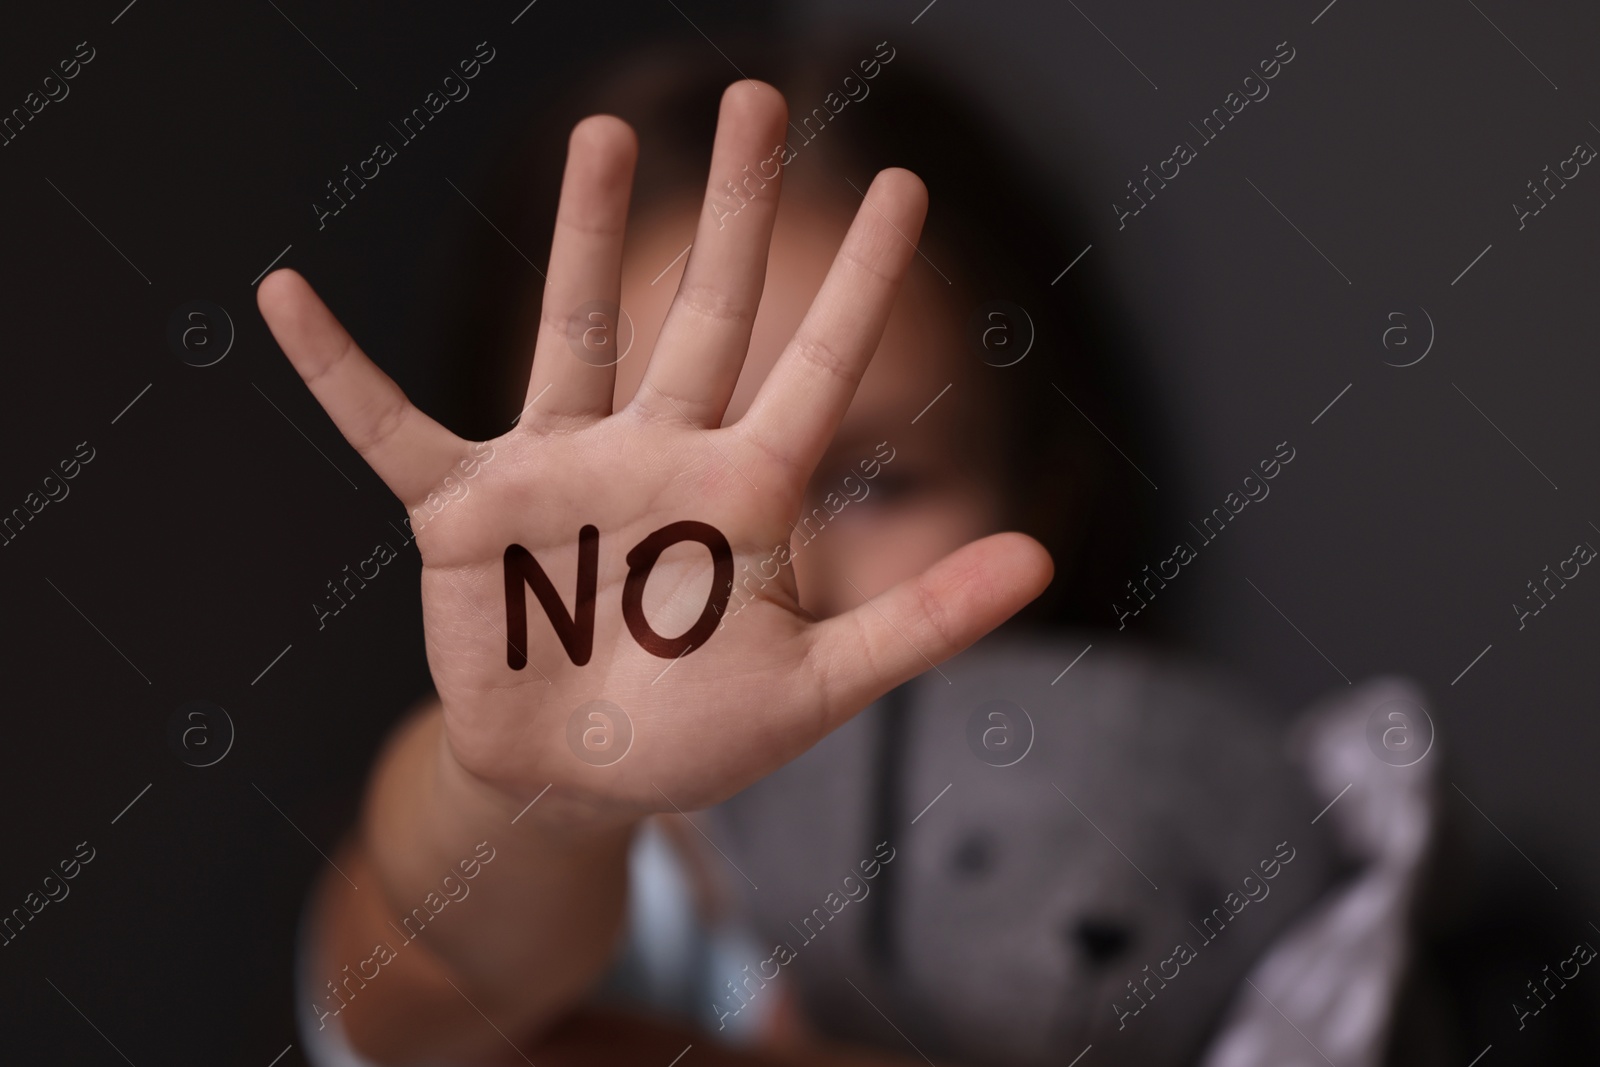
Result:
[[974, 855], [1101, 940]]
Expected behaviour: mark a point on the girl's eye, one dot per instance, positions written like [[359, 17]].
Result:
[[895, 485], [889, 487]]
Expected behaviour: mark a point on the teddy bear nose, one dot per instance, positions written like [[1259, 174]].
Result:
[[1101, 940]]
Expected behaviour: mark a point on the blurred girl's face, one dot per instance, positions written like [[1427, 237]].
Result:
[[933, 486]]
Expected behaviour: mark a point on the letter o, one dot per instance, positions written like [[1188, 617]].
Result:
[[642, 560]]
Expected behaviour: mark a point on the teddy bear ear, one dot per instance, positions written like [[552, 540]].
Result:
[[1336, 972]]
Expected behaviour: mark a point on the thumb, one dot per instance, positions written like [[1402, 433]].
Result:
[[925, 620]]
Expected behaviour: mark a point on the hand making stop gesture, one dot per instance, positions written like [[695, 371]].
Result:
[[593, 558]]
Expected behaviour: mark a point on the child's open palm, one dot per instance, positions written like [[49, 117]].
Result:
[[714, 702]]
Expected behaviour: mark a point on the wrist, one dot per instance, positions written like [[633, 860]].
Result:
[[424, 807], [546, 812]]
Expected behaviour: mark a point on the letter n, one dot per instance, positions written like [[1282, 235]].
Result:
[[576, 631]]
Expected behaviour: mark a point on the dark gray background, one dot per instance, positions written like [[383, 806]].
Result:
[[1396, 140]]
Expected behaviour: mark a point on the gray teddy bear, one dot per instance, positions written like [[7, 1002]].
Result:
[[1133, 860]]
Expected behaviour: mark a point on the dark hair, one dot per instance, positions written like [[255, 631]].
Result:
[[1067, 407]]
